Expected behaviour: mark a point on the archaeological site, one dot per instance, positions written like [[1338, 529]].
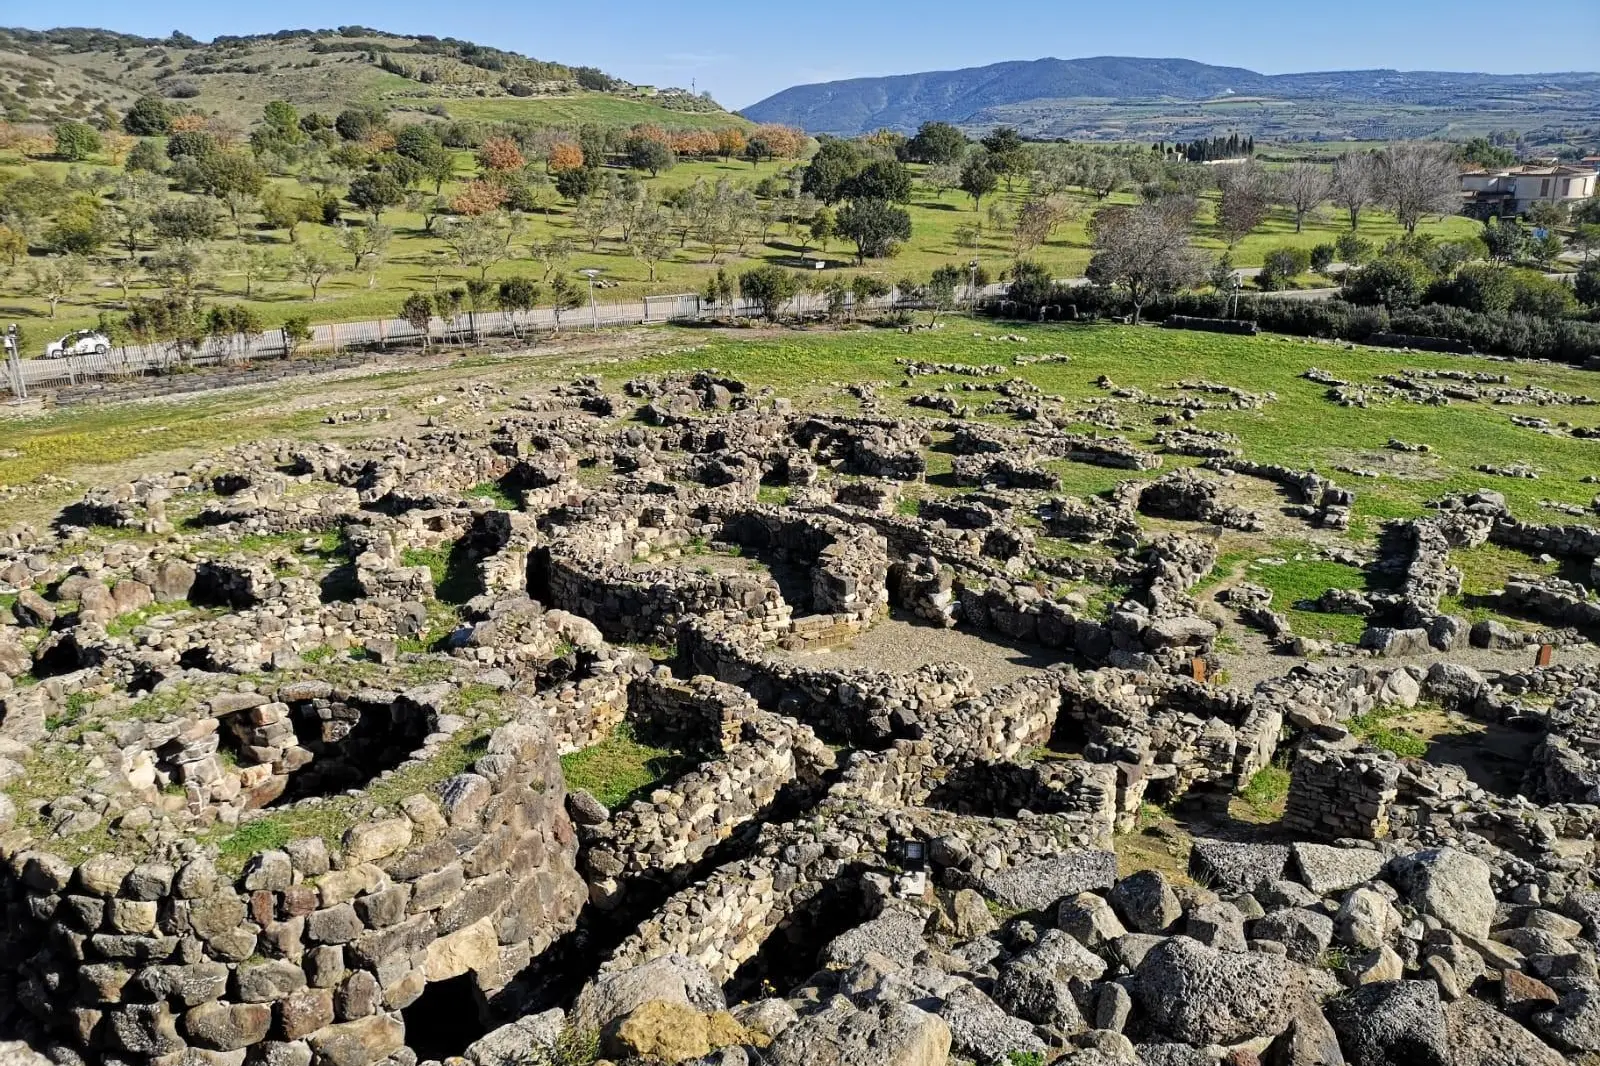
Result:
[[664, 717]]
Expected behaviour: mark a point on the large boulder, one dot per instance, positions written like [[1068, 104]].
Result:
[[1482, 1036], [890, 1034], [981, 1031], [1450, 885], [1399, 1023], [1309, 1040], [510, 1045], [1146, 901], [1327, 870], [1452, 684], [895, 935], [1366, 919], [1305, 934], [671, 978], [1232, 868], [1089, 918], [659, 1031], [1395, 642], [1197, 995], [1038, 983], [1574, 1023], [1036, 886]]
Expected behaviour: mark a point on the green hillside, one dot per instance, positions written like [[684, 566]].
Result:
[[94, 75]]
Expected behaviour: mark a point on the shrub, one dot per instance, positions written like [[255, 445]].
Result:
[[76, 141], [1353, 250], [145, 156], [192, 144], [1392, 280], [296, 331], [1506, 333], [1322, 257], [148, 117], [1281, 266], [1587, 285], [769, 288], [1535, 294], [1485, 287]]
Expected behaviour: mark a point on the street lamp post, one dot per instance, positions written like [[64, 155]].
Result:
[[972, 289], [19, 386], [594, 312]]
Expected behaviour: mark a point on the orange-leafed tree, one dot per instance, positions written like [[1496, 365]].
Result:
[[786, 142], [478, 198], [651, 132], [565, 156], [499, 155], [698, 144], [730, 142]]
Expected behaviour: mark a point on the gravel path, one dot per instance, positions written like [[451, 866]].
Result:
[[899, 645]]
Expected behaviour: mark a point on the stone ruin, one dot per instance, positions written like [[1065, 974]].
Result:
[[281, 743]]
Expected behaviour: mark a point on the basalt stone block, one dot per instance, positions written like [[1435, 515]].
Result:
[[228, 1026], [334, 925], [304, 1012], [385, 908], [358, 1043]]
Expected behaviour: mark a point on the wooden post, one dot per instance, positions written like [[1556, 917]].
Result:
[[1545, 654], [1197, 668]]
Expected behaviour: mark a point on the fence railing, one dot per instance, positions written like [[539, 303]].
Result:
[[469, 327]]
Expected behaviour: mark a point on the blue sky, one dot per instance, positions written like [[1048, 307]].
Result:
[[743, 52]]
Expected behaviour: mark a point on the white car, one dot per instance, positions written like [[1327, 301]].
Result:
[[83, 342]]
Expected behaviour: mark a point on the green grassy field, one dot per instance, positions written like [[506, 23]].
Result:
[[1299, 428], [578, 108], [417, 261]]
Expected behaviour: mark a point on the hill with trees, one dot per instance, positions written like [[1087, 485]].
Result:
[[1121, 98], [94, 75]]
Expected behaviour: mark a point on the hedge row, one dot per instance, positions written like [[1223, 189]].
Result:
[[1521, 336]]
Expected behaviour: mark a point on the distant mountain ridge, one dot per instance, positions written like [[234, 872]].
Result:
[[977, 96]]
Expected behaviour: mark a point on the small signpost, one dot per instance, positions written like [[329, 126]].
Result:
[[1546, 653], [1197, 668], [913, 860]]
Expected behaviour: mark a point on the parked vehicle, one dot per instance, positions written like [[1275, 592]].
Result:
[[83, 342]]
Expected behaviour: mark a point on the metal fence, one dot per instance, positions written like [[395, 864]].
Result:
[[136, 360]]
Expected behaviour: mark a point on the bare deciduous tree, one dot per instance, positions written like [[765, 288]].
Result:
[[1247, 195], [1304, 187], [1416, 180], [1354, 184], [1142, 249]]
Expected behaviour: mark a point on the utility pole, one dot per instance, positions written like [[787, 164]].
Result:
[[972, 289]]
